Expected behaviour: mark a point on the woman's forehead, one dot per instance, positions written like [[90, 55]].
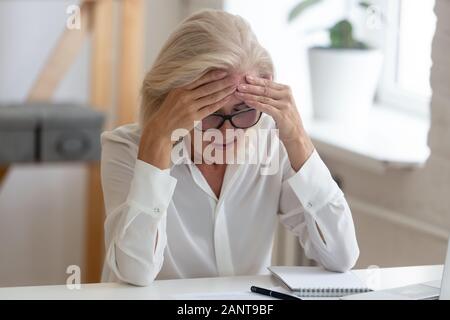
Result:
[[240, 76], [235, 101]]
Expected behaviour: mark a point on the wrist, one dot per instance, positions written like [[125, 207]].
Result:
[[299, 149], [155, 149]]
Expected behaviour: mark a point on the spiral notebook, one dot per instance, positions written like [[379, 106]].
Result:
[[318, 282]]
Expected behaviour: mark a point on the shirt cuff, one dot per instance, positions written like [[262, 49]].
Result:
[[313, 183], [151, 188]]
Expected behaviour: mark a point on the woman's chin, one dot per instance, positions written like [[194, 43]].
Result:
[[222, 154]]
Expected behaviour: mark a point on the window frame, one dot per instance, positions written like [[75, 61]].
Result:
[[389, 93]]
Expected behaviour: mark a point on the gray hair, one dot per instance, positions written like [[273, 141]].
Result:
[[207, 40]]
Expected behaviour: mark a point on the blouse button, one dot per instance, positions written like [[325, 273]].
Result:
[[156, 210], [309, 205]]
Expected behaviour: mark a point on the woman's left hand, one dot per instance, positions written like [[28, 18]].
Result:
[[277, 101]]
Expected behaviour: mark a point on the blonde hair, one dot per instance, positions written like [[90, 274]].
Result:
[[209, 39]]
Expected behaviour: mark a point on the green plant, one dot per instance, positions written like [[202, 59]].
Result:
[[341, 33]]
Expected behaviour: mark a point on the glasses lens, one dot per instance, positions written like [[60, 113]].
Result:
[[211, 122], [246, 119]]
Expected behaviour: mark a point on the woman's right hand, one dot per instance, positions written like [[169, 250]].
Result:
[[180, 109]]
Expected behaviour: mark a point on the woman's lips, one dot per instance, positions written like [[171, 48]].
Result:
[[224, 145]]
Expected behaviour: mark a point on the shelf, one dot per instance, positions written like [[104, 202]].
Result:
[[387, 139]]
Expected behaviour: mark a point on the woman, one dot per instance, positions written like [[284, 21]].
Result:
[[193, 214]]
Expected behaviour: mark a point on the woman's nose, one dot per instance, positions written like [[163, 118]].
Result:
[[226, 125]]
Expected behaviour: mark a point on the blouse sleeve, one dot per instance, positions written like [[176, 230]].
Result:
[[136, 196], [310, 199]]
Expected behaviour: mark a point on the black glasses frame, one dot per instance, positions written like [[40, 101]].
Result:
[[230, 117]]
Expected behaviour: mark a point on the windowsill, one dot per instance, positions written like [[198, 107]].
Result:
[[390, 139]]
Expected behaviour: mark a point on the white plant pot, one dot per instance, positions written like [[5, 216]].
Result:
[[343, 82]]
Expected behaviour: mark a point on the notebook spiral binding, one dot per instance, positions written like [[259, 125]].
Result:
[[329, 292]]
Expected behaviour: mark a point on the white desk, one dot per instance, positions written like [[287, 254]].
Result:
[[165, 289]]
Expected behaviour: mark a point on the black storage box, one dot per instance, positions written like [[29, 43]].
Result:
[[35, 132]]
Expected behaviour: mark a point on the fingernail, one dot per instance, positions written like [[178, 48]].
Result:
[[239, 93], [222, 73], [242, 86], [249, 77]]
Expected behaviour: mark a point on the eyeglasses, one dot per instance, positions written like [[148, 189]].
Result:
[[241, 119]]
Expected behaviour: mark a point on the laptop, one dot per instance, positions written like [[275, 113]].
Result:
[[422, 291], [445, 282]]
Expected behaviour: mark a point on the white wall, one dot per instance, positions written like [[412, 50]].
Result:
[[162, 16]]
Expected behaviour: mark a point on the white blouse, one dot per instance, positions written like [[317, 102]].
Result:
[[200, 235]]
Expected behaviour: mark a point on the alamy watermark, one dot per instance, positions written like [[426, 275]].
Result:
[[374, 17], [73, 281], [73, 21], [236, 146], [373, 277]]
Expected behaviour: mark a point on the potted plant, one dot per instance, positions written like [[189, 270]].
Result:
[[344, 74]]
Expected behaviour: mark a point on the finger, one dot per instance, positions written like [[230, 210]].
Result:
[[262, 99], [264, 82], [261, 91], [214, 97], [212, 87], [207, 110], [266, 108], [207, 77]]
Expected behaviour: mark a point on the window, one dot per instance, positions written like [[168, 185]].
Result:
[[405, 80]]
